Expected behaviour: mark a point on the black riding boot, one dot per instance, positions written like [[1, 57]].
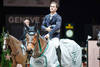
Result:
[[58, 51]]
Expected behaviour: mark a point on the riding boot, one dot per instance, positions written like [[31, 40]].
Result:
[[58, 51]]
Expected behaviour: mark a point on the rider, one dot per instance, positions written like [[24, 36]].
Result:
[[25, 31], [51, 25]]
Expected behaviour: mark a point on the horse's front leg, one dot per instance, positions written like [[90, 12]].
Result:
[[14, 62]]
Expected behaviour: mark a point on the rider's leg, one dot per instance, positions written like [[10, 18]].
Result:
[[56, 44], [58, 51]]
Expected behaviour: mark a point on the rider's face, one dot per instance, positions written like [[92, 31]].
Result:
[[27, 22], [53, 7]]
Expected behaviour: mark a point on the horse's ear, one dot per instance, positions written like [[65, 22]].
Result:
[[7, 33]]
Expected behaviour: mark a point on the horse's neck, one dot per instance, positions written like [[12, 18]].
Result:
[[14, 41], [42, 39], [43, 42]]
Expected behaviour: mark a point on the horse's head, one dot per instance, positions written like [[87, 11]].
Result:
[[31, 40], [36, 43], [32, 43], [5, 41]]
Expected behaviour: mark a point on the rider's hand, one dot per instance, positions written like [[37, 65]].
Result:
[[48, 29], [47, 36]]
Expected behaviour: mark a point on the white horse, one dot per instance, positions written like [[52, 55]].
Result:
[[70, 54]]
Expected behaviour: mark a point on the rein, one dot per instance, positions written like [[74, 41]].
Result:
[[39, 43]]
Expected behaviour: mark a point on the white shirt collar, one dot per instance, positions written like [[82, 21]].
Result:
[[53, 14]]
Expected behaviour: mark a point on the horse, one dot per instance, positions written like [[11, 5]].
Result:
[[44, 54], [16, 50]]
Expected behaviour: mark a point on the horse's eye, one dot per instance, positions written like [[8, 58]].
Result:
[[27, 39], [32, 38]]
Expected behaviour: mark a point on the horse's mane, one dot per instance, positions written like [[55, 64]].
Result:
[[42, 37], [14, 39]]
